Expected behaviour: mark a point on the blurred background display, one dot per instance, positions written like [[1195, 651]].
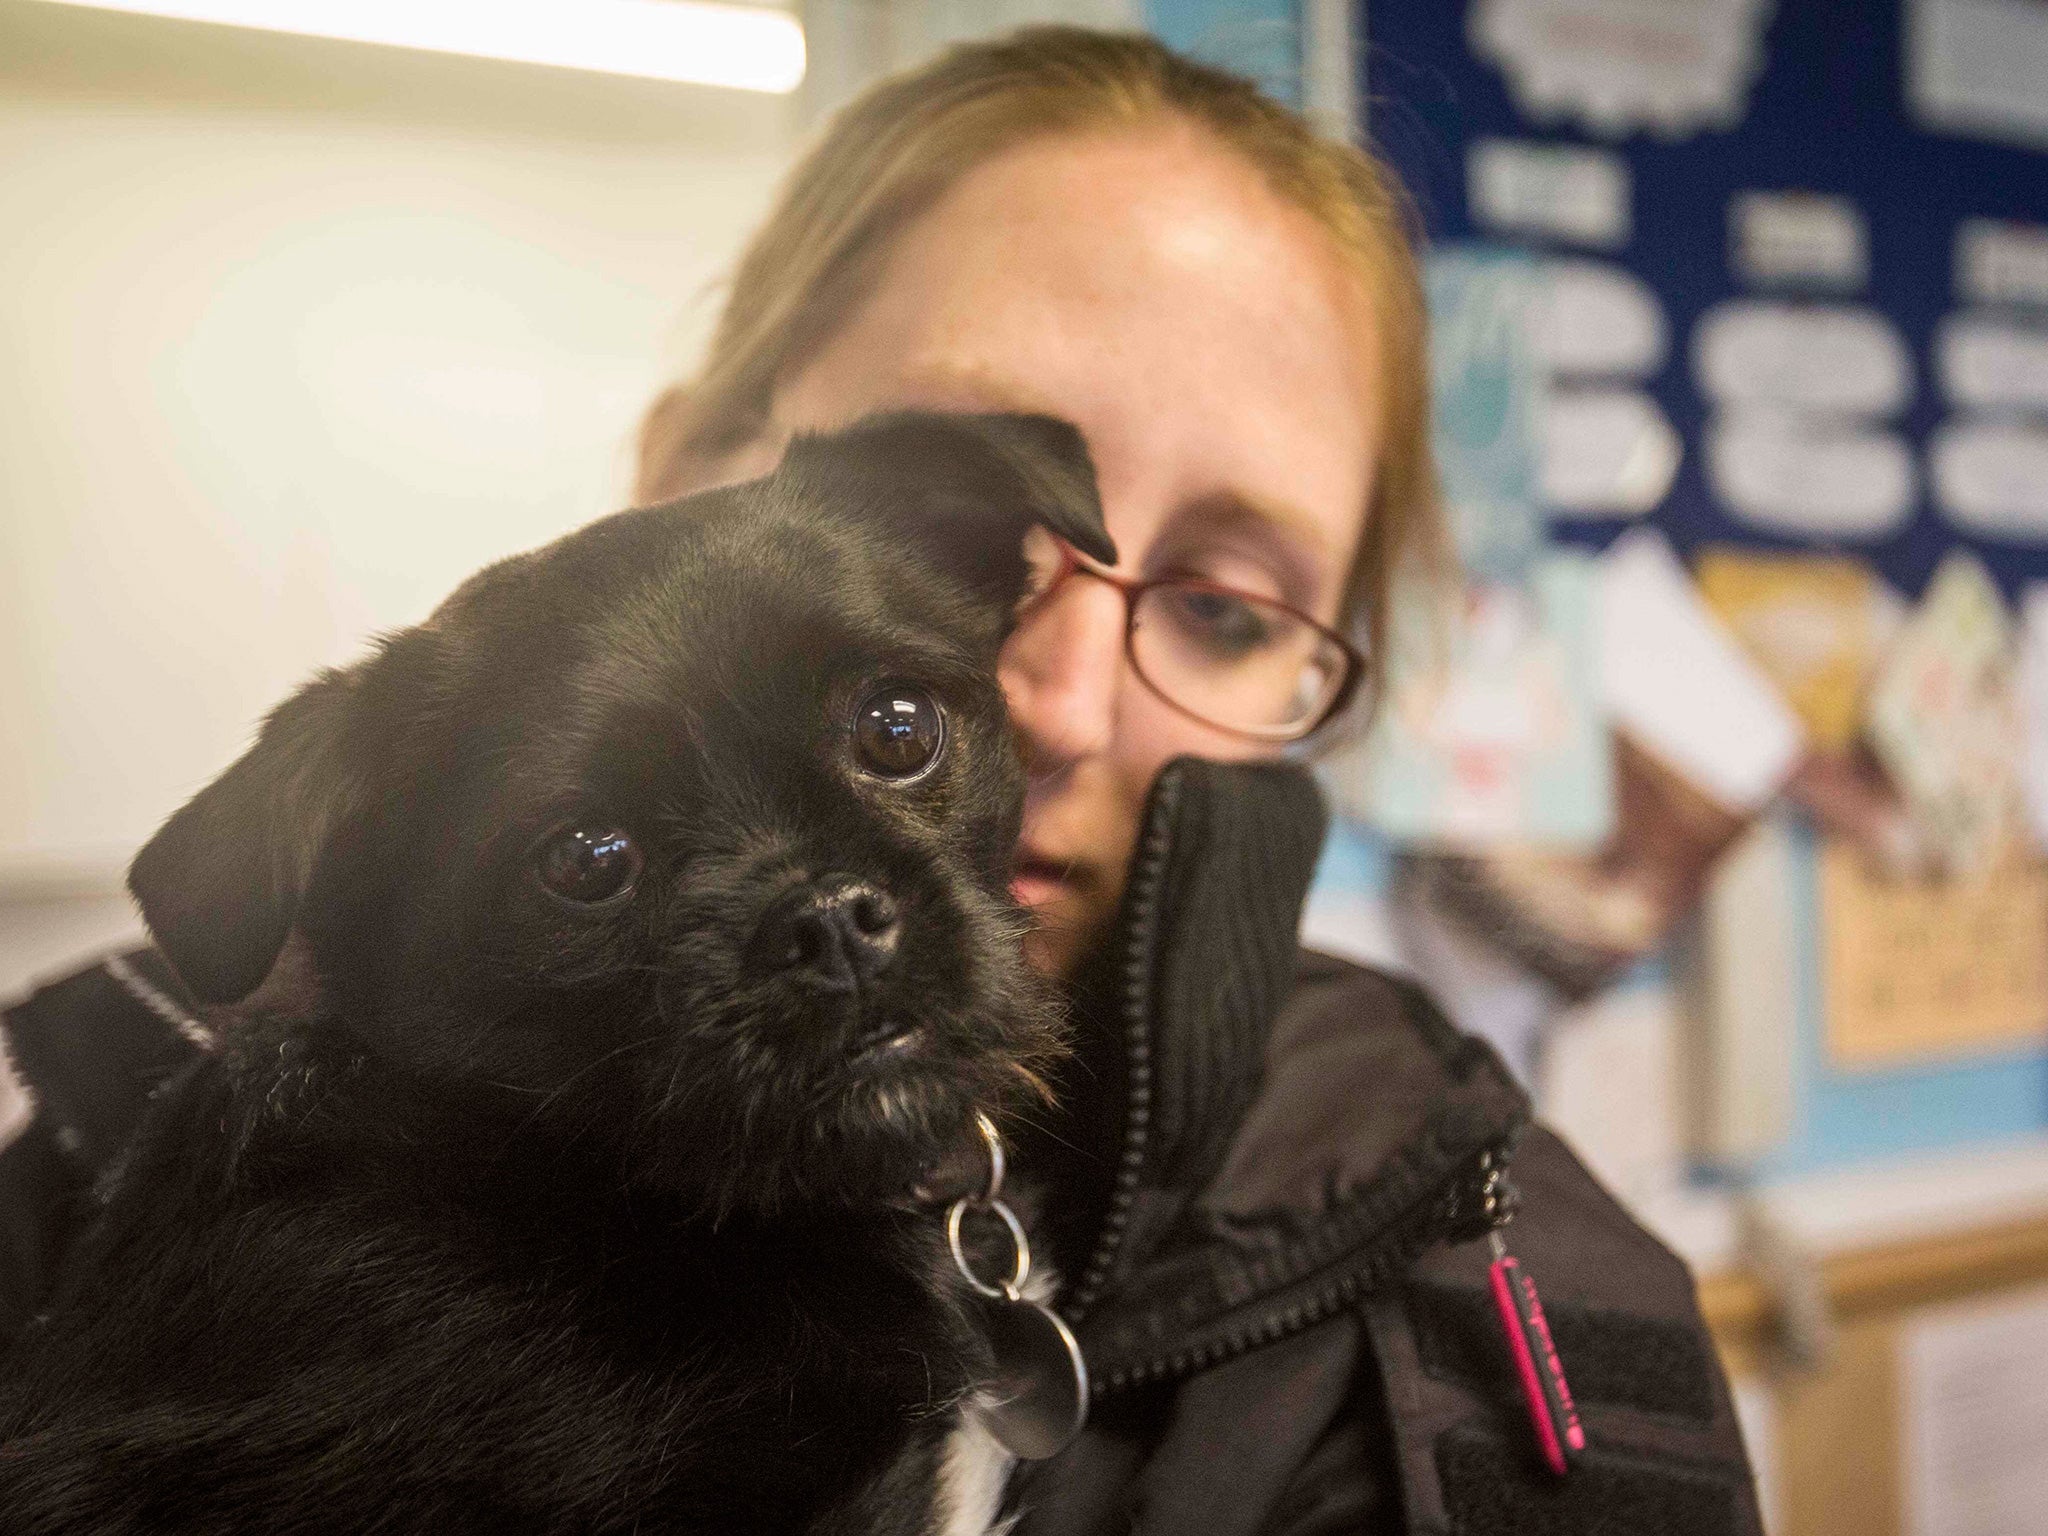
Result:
[[1721, 807], [1778, 378]]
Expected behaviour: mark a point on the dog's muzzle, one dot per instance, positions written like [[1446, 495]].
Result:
[[836, 933]]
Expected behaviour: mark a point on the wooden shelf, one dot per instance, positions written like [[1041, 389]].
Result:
[[1739, 1308]]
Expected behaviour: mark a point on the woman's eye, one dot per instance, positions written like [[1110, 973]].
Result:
[[587, 865], [1221, 623], [898, 733]]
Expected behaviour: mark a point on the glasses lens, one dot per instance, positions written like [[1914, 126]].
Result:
[[1236, 660]]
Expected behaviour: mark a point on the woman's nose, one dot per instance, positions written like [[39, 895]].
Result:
[[1061, 671]]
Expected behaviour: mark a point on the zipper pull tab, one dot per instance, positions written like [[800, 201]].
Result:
[[1559, 1436]]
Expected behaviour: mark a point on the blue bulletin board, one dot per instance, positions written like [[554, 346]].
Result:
[[1858, 108], [1827, 113]]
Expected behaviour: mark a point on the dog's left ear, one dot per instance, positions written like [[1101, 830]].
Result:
[[966, 488], [220, 883]]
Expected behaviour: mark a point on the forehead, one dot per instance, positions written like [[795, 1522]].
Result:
[[732, 598], [745, 581], [1203, 332]]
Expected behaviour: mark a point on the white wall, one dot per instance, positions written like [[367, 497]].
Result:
[[293, 335]]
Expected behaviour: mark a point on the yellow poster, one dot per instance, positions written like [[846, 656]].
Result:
[[1810, 621], [1913, 970]]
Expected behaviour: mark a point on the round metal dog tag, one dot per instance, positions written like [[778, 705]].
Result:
[[1037, 1400]]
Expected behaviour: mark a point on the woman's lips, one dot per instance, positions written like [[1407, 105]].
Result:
[[1036, 881]]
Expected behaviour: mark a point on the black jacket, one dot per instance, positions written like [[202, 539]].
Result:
[[1266, 1196]]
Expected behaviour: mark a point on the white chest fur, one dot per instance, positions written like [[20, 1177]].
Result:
[[976, 1467], [971, 1480]]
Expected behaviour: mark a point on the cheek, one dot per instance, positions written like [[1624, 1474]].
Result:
[[1151, 733]]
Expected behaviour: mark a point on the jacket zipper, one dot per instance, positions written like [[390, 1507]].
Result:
[[1477, 1198], [1148, 870]]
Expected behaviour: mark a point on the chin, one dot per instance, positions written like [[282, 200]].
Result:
[[893, 1116], [860, 1134]]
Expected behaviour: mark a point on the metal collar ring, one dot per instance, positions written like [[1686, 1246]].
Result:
[[1020, 1268]]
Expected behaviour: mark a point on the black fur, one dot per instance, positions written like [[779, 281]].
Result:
[[494, 1212]]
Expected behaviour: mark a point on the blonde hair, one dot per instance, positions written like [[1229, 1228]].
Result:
[[894, 151]]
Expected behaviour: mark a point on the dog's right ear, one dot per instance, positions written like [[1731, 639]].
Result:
[[966, 488], [219, 884]]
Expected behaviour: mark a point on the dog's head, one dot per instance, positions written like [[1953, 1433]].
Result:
[[690, 833]]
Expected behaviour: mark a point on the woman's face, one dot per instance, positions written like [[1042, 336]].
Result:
[[1212, 346]]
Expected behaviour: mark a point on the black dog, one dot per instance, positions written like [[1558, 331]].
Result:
[[626, 944]]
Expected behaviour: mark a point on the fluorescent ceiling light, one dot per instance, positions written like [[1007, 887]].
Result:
[[751, 48]]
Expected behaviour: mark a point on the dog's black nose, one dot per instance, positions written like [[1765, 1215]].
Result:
[[838, 930]]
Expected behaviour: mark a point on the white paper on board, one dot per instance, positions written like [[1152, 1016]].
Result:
[[1979, 68], [1941, 715], [1997, 262], [1620, 1046], [1830, 359], [1554, 191], [1615, 66], [1682, 686], [1501, 740], [1599, 319], [1607, 451], [1740, 972], [1991, 477], [2031, 686], [1794, 474], [1973, 1400], [1799, 237], [1992, 362]]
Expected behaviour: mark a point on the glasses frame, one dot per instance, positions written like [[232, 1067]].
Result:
[[1135, 587]]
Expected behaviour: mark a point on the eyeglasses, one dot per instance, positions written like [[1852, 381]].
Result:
[[1229, 659]]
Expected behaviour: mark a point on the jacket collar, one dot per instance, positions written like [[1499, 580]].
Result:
[[1161, 1216], [1171, 1014], [1202, 955]]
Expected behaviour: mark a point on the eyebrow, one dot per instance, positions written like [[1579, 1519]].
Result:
[[984, 390]]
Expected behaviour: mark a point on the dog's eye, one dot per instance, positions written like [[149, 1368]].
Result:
[[898, 732], [585, 864]]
